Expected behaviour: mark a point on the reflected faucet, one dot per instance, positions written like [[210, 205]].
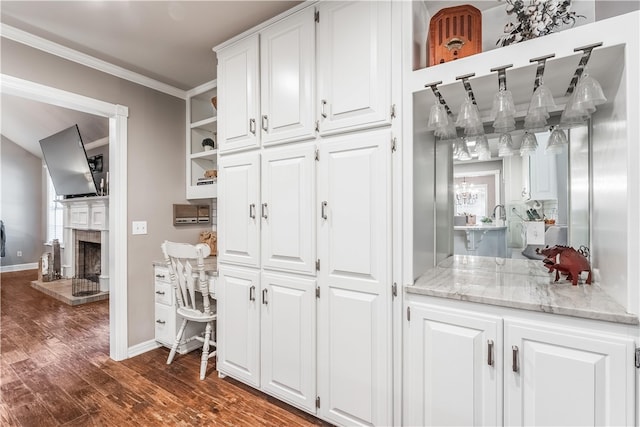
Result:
[[504, 212]]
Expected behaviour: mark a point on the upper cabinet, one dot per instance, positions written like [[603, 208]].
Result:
[[202, 124], [354, 65], [287, 69], [239, 95], [325, 69]]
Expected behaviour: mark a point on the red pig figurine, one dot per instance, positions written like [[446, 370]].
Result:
[[571, 262]]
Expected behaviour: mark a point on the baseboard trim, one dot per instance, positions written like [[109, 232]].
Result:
[[143, 347], [18, 267]]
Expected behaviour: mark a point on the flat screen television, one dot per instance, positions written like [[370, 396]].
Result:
[[68, 165]]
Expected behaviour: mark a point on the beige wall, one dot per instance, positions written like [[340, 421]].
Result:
[[156, 166]]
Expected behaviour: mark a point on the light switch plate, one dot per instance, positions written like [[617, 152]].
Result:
[[138, 227]]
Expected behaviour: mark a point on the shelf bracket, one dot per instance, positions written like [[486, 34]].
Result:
[[502, 75], [434, 88], [541, 60], [586, 54], [467, 86]]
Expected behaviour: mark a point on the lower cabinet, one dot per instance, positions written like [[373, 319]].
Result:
[[454, 368], [167, 321], [471, 368], [267, 331]]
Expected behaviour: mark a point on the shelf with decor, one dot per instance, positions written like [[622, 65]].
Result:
[[201, 150]]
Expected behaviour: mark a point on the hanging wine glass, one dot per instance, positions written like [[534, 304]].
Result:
[[529, 144], [505, 145]]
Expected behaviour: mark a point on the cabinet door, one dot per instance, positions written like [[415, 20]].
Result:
[[287, 63], [288, 202], [238, 95], [453, 368], [567, 377], [354, 246], [288, 351], [238, 210], [543, 173], [239, 324], [354, 64]]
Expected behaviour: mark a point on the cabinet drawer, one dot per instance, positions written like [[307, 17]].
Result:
[[165, 324], [164, 293], [161, 274]]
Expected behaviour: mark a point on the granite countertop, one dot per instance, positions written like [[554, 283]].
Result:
[[210, 265], [516, 283]]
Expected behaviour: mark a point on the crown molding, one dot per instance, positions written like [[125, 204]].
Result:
[[36, 42]]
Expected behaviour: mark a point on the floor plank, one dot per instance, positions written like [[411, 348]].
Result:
[[55, 370]]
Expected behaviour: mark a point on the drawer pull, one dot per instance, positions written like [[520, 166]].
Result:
[[160, 322], [160, 276], [514, 362], [265, 301], [252, 293], [490, 352], [160, 292]]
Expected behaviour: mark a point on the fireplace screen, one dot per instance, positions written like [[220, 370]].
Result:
[[87, 280]]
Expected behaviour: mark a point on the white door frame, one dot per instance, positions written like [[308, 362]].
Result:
[[117, 114]]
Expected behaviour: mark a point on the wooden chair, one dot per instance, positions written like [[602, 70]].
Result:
[[186, 270]]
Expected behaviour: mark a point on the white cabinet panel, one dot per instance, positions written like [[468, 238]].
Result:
[[453, 368], [354, 64], [238, 211], [288, 350], [238, 95], [567, 377], [354, 377], [288, 201], [287, 55], [239, 324]]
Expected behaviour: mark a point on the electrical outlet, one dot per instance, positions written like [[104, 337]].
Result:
[[138, 227], [19, 253]]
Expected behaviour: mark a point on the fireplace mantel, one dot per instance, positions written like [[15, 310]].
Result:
[[86, 214]]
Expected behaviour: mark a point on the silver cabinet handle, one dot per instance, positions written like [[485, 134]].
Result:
[[265, 301], [160, 292], [490, 352], [323, 210], [252, 210], [514, 362], [160, 276], [252, 293], [161, 322], [264, 210], [265, 123], [323, 103], [252, 126]]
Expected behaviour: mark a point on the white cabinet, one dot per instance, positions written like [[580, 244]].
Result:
[[354, 65], [287, 209], [167, 320], [492, 367], [540, 173], [563, 376], [454, 367], [202, 124], [266, 85], [288, 339], [238, 217], [287, 71], [239, 323], [354, 245], [239, 95], [267, 325], [287, 232]]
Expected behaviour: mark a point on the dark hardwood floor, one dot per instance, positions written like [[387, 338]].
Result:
[[55, 370]]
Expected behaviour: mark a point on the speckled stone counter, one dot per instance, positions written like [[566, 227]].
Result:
[[515, 283]]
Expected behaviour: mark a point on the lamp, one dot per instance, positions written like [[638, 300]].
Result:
[[465, 195]]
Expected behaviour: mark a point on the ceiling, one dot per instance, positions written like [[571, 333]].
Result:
[[168, 41]]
